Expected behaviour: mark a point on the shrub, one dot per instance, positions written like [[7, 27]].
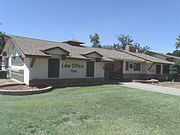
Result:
[[175, 70]]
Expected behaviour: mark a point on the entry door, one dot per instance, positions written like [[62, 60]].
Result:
[[53, 68]]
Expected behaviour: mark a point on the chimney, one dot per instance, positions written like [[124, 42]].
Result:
[[130, 48]]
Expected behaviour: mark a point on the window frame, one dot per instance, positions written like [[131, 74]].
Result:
[[158, 66], [137, 67], [164, 69]]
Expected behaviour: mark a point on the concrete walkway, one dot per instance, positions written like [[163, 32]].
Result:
[[153, 88]]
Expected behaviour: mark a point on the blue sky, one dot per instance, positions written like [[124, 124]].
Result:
[[155, 23]]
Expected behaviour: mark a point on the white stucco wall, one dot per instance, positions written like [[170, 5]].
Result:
[[99, 69], [26, 70], [40, 69], [72, 71]]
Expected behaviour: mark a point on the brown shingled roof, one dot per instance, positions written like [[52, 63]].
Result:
[[165, 55], [148, 57], [35, 47]]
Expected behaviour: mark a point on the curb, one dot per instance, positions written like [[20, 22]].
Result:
[[23, 92]]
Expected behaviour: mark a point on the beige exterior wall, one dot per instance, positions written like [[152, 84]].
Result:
[[143, 70], [40, 69], [131, 70]]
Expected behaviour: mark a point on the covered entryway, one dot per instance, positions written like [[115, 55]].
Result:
[[114, 70]]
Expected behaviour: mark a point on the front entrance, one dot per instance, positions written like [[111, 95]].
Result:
[[114, 70]]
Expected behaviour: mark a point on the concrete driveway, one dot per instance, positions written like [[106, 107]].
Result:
[[153, 88]]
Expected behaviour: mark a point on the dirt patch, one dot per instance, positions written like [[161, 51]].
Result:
[[19, 87], [7, 81]]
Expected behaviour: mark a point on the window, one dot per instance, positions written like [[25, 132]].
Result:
[[166, 69], [90, 69], [137, 66], [127, 65], [158, 69], [17, 61], [131, 65], [53, 68]]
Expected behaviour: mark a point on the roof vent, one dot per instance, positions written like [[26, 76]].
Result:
[[74, 42]]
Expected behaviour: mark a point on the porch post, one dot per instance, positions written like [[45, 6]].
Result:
[[161, 69]]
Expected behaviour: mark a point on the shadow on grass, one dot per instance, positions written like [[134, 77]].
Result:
[[112, 82]]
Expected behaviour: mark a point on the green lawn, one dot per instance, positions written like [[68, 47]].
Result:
[[93, 110]]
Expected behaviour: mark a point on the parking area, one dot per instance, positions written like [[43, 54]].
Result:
[[169, 84], [153, 88]]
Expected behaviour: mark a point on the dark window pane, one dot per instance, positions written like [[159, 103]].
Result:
[[127, 65], [137, 66], [166, 69], [53, 68], [158, 69], [90, 69]]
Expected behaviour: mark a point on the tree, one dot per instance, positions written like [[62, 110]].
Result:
[[123, 41], [110, 47], [142, 49], [177, 42], [175, 70], [2, 41], [175, 53], [95, 40]]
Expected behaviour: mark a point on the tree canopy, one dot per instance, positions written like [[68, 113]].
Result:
[[2, 41], [95, 40], [142, 48], [124, 40], [175, 53], [177, 42], [175, 70]]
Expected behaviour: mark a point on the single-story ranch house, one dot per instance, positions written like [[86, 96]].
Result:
[[35, 61]]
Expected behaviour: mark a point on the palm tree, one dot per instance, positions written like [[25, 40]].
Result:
[[177, 42]]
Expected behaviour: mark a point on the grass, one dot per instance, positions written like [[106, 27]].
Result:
[[93, 110]]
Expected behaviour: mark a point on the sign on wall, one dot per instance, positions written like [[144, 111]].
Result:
[[73, 67]]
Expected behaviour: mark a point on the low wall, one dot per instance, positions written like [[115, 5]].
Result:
[[3, 74], [23, 92], [130, 77], [67, 82]]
